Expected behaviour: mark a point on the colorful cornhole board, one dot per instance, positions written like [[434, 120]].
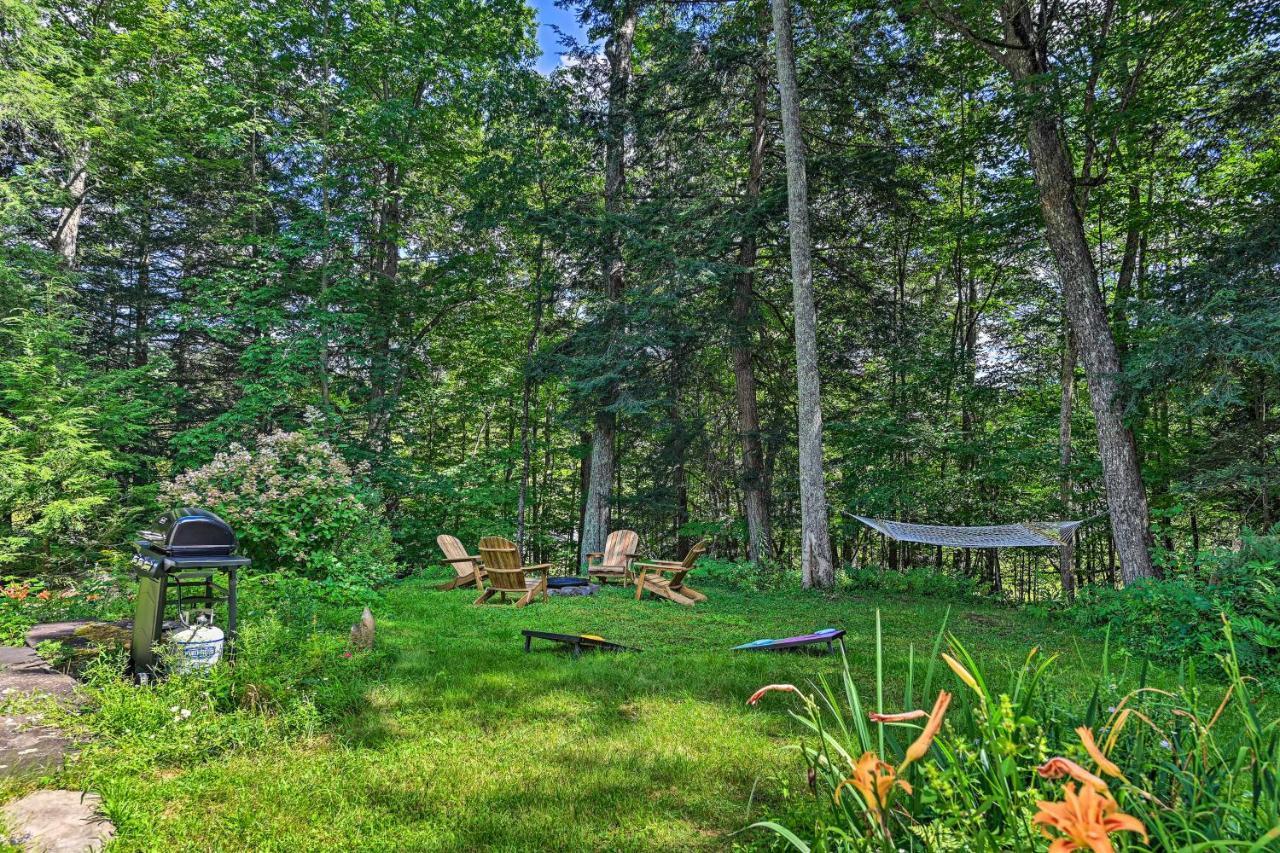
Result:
[[826, 635], [577, 642]]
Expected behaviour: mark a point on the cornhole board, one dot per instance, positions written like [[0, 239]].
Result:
[[826, 635], [565, 581], [577, 642]]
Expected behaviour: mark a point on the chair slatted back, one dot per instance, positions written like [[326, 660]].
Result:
[[694, 553], [618, 548], [502, 564], [452, 549], [677, 580]]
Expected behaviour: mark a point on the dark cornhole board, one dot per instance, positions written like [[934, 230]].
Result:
[[826, 635], [566, 581], [578, 642]]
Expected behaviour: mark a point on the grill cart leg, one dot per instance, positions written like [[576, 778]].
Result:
[[231, 613], [148, 619]]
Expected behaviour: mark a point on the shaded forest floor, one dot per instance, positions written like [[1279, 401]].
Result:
[[465, 741]]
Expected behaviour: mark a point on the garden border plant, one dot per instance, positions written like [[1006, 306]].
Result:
[[1165, 773]]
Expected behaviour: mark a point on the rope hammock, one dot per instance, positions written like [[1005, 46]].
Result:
[[1029, 534]]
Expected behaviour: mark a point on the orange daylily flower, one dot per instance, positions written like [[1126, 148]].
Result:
[[904, 717], [769, 688], [1105, 764], [1085, 821], [920, 746], [962, 673], [874, 780], [1056, 768]]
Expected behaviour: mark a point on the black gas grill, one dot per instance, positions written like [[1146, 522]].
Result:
[[179, 563]]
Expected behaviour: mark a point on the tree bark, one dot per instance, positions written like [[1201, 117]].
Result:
[[1066, 557], [66, 236], [755, 485], [385, 274], [815, 541], [595, 524], [142, 303], [1128, 264], [526, 397], [1022, 50], [1126, 496]]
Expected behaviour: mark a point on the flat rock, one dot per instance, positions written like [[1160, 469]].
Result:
[[22, 672], [58, 822], [80, 634], [26, 743]]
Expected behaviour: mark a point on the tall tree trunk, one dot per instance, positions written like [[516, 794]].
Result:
[[755, 485], [1128, 264], [815, 541], [580, 486], [677, 449], [1126, 496], [66, 236], [526, 445], [1066, 565], [966, 285], [141, 304], [386, 274], [595, 524], [1024, 53]]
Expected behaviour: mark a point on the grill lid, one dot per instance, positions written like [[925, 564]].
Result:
[[190, 531]]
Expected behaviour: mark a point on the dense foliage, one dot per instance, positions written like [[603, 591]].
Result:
[[353, 274], [218, 218], [1180, 619]]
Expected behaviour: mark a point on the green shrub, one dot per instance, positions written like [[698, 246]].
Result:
[[756, 577], [916, 581], [1178, 618], [297, 508]]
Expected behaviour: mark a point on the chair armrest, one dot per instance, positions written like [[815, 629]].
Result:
[[462, 560], [540, 567], [659, 567]]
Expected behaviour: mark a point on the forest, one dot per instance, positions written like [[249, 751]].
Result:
[[1038, 280], [363, 275]]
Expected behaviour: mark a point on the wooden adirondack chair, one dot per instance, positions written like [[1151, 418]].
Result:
[[615, 562], [650, 578], [505, 575], [469, 569]]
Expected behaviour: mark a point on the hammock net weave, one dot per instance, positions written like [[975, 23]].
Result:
[[1029, 534]]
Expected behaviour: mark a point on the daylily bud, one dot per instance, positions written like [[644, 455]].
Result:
[[962, 673], [920, 746], [769, 688], [1056, 768]]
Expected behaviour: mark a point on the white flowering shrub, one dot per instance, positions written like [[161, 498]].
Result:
[[297, 507]]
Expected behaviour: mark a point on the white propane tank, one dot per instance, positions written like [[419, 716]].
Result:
[[199, 646]]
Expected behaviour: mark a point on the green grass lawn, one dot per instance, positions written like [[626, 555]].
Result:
[[465, 741]]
